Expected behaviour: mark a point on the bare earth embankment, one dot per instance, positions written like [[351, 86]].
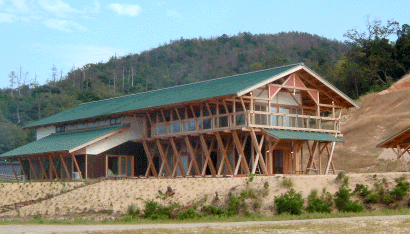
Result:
[[111, 198]]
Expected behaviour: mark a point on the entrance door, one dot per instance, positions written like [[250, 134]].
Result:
[[119, 165], [278, 161]]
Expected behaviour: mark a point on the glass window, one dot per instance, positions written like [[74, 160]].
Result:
[[70, 127], [274, 117], [60, 129], [161, 129], [205, 123], [189, 125], [285, 119], [81, 126], [115, 121], [92, 125], [104, 122], [175, 127]]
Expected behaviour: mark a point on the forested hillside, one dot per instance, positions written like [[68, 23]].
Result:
[[190, 60]]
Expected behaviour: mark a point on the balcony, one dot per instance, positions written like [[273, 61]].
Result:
[[238, 120]]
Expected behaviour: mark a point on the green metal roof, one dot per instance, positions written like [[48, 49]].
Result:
[[61, 142], [195, 91], [299, 135]]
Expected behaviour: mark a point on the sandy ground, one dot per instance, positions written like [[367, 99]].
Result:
[[117, 195]]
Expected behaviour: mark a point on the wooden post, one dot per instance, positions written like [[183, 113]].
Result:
[[178, 159], [65, 167], [330, 159], [164, 158], [224, 155], [241, 155], [259, 153], [14, 171], [207, 153], [151, 165], [32, 168], [192, 154], [53, 167], [40, 160], [76, 165], [22, 169]]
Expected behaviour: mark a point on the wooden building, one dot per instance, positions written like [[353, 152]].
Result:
[[400, 144], [275, 121]]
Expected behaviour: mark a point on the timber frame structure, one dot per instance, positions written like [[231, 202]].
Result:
[[400, 144], [283, 120]]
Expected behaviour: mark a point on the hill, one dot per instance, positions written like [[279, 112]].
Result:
[[381, 115]]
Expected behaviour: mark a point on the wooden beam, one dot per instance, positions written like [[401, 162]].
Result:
[[164, 158], [311, 154], [178, 159], [225, 158], [32, 168], [40, 160], [151, 165], [76, 165], [65, 167], [241, 159], [192, 154], [22, 169], [53, 167], [258, 150], [330, 159], [207, 153], [14, 171]]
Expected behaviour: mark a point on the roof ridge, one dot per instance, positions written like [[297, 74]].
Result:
[[198, 82]]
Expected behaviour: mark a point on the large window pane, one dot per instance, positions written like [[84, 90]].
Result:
[[161, 129]]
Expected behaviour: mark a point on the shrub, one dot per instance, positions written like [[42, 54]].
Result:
[[372, 198], [401, 189], [154, 210], [342, 197], [362, 190], [190, 213], [133, 211], [353, 206], [343, 202], [213, 210], [289, 202], [235, 205], [319, 204], [250, 178], [342, 177], [287, 182], [387, 200]]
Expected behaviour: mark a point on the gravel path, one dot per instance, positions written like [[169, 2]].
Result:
[[12, 229]]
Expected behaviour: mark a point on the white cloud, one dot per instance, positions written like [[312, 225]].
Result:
[[58, 8], [21, 6], [125, 9], [172, 13], [96, 6], [64, 25], [8, 18]]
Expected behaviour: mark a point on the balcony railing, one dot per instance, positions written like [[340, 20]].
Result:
[[258, 119]]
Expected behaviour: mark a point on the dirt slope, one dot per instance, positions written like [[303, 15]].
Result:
[[380, 116], [111, 198]]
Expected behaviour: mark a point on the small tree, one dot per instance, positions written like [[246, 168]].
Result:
[[290, 202]]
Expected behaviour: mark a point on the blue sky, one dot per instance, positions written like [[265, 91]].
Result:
[[37, 34]]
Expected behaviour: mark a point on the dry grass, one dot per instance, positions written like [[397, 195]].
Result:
[[18, 192], [380, 116], [351, 226]]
